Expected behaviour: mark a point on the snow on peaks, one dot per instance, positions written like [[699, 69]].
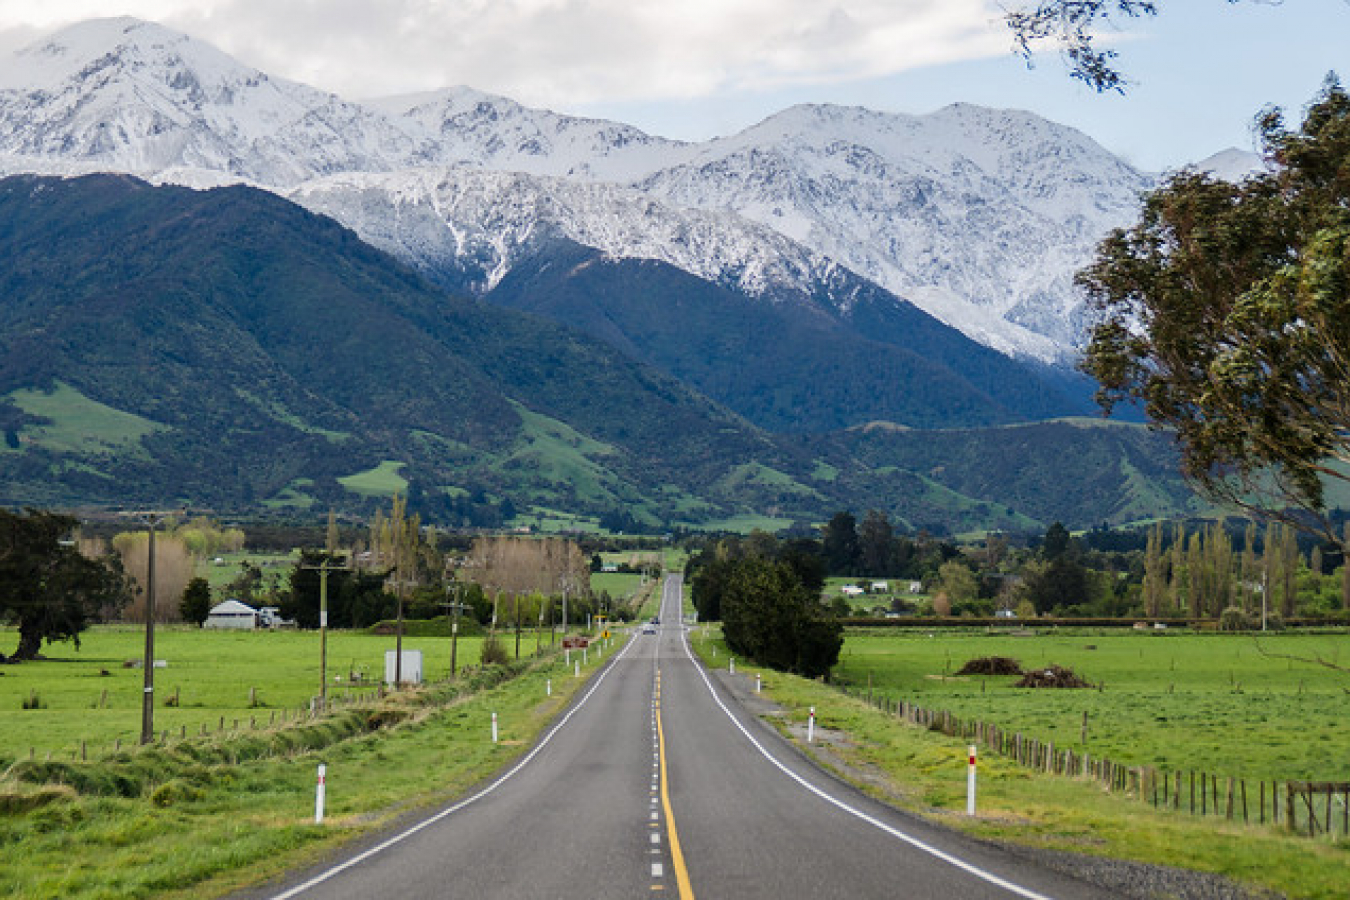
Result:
[[980, 216], [138, 97], [497, 133]]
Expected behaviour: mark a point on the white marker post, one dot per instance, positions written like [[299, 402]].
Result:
[[970, 784], [759, 684], [319, 791], [733, 665], [494, 728], [548, 688], [811, 726], [576, 672]]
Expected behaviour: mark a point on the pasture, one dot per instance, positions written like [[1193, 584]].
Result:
[[90, 694], [1241, 705]]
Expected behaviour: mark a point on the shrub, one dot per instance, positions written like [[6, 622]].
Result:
[[494, 651], [1234, 618], [175, 791]]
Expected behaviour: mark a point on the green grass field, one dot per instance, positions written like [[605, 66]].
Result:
[[87, 695], [1233, 705], [384, 480], [78, 424], [207, 815], [925, 771]]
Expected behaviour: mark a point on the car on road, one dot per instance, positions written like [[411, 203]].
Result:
[[648, 628]]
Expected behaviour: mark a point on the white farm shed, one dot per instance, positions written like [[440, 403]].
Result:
[[232, 614]]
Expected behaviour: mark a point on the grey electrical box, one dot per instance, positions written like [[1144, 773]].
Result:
[[412, 666]]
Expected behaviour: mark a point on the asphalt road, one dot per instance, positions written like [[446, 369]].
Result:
[[658, 782]]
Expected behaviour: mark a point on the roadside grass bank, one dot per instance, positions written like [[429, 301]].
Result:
[[925, 771], [205, 816]]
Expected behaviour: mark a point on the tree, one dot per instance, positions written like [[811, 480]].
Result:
[[840, 541], [1072, 24], [770, 617], [1063, 580], [195, 605], [1226, 312], [875, 544], [958, 582], [47, 587]]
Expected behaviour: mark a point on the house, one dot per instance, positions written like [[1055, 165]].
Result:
[[232, 614], [851, 590], [881, 587]]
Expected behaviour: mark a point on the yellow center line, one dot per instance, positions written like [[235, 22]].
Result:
[[676, 855]]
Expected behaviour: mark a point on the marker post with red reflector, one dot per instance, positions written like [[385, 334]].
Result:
[[319, 793], [970, 784], [811, 726]]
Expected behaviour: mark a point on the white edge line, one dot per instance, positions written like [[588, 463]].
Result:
[[959, 863], [403, 835]]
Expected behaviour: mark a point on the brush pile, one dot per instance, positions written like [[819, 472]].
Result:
[[1052, 677], [991, 665]]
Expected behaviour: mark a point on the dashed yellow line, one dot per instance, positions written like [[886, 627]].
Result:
[[676, 855]]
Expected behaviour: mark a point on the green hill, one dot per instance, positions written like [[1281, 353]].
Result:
[[228, 349]]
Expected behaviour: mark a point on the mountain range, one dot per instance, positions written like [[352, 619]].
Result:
[[825, 270]]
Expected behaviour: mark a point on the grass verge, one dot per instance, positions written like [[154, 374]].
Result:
[[201, 818]]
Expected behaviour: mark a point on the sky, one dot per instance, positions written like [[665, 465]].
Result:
[[694, 69]]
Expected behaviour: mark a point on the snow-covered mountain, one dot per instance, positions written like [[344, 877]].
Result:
[[479, 223], [133, 96], [978, 216]]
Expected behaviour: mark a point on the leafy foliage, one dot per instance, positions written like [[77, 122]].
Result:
[[46, 586], [770, 617], [195, 605], [1072, 24], [1226, 311]]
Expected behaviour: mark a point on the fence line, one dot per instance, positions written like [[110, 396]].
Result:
[[1303, 807]]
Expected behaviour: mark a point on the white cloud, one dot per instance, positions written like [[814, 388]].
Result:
[[561, 52]]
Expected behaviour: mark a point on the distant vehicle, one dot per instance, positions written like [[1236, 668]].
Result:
[[649, 628], [656, 620]]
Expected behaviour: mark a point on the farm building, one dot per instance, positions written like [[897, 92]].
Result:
[[232, 614]]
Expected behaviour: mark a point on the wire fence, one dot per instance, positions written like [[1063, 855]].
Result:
[[1304, 807]]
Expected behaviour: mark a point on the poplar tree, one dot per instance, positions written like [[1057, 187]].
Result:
[[1250, 570], [1155, 573]]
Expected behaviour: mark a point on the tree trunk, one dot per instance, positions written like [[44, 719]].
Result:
[[30, 641]]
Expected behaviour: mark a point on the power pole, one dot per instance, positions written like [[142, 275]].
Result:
[[152, 520]]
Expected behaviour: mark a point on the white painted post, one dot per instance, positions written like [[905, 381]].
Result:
[[586, 655], [811, 726], [759, 684], [733, 665], [548, 688], [567, 655], [577, 671], [319, 791], [970, 784], [494, 728]]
